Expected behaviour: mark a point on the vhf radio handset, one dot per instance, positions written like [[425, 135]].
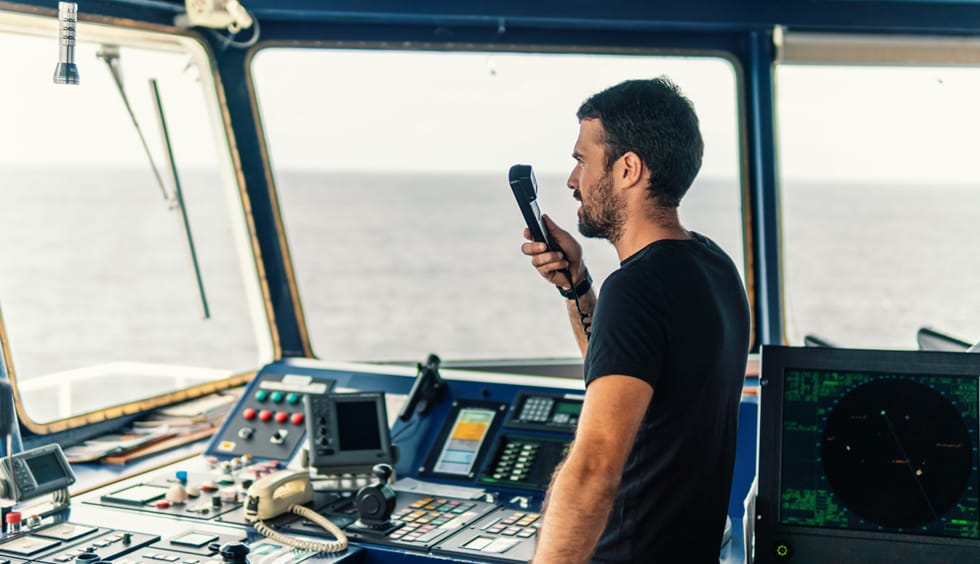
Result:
[[427, 390], [525, 188]]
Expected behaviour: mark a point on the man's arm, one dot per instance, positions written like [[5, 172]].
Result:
[[582, 492]]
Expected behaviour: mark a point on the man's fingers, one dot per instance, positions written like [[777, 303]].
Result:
[[534, 248]]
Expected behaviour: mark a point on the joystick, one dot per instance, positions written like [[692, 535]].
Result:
[[375, 503], [234, 553]]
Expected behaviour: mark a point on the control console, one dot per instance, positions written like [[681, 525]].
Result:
[[471, 478], [269, 421]]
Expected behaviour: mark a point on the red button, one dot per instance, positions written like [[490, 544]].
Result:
[[281, 417], [265, 415], [296, 419], [249, 413]]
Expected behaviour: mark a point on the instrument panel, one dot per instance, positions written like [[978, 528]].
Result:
[[471, 477]]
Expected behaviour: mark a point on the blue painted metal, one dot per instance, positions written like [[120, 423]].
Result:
[[760, 166], [248, 139]]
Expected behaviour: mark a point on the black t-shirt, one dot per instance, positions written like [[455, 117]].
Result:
[[674, 315]]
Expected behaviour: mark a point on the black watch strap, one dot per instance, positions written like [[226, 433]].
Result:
[[579, 290]]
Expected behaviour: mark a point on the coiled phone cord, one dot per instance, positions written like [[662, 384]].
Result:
[[338, 545]]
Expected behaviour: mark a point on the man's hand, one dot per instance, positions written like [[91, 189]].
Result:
[[550, 263]]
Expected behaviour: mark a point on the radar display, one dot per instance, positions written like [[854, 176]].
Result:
[[880, 452]]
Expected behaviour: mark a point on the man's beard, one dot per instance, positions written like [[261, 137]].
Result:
[[604, 216]]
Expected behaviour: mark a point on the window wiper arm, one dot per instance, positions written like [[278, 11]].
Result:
[[110, 54], [179, 199]]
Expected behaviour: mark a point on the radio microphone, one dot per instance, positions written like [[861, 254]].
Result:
[[66, 72]]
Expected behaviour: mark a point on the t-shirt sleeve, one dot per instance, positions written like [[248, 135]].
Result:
[[628, 331]]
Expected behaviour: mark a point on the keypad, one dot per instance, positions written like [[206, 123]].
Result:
[[536, 409], [430, 517], [515, 461], [517, 524], [95, 544]]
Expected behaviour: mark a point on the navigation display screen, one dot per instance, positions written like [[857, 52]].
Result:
[[357, 425], [880, 452], [463, 444], [46, 468]]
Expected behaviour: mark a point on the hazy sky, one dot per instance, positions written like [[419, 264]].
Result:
[[479, 112]]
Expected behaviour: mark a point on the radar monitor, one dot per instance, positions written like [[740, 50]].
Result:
[[859, 449]]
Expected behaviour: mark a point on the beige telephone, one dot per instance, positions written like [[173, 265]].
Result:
[[287, 491]]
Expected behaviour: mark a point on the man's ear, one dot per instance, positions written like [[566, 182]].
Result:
[[633, 169]]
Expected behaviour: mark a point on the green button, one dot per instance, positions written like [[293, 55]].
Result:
[[261, 395], [276, 397], [292, 398]]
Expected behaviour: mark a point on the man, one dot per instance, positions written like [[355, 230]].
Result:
[[648, 476]]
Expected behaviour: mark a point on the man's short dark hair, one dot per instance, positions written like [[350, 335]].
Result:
[[654, 120]]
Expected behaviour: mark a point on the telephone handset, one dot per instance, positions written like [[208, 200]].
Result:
[[287, 491], [525, 188], [273, 495]]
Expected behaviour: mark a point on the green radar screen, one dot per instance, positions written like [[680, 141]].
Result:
[[884, 453], [897, 453]]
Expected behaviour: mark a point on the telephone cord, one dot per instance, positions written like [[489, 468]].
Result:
[[338, 545]]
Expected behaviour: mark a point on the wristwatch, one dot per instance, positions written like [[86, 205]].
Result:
[[579, 290]]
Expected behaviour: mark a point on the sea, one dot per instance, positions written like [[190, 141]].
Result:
[[95, 266]]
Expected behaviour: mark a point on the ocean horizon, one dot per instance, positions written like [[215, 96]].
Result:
[[393, 266]]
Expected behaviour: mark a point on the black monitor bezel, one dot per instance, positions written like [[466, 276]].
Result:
[[775, 361]]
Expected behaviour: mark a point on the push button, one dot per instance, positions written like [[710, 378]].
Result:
[[265, 415], [296, 419], [249, 413], [292, 398], [276, 397], [261, 395]]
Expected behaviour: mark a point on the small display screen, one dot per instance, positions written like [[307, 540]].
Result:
[[571, 408], [26, 545], [463, 444], [478, 543], [65, 531], [357, 425], [193, 539], [136, 495], [46, 468]]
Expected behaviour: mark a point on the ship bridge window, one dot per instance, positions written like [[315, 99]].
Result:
[[100, 303], [391, 171], [880, 190]]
